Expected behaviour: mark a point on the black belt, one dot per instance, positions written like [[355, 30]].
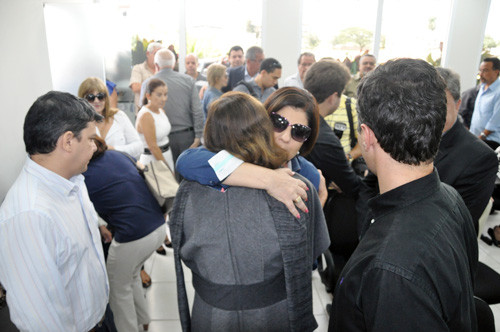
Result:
[[182, 130], [163, 148], [241, 297]]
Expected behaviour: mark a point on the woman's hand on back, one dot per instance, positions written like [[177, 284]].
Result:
[[287, 189]]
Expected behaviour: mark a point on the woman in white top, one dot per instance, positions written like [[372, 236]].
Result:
[[116, 129], [153, 126]]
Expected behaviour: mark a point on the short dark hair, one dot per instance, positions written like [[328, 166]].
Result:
[[305, 54], [404, 103], [252, 52], [235, 48], [495, 62], [326, 77], [53, 114], [297, 98], [269, 65]]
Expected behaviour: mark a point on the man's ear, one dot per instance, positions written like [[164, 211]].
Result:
[[369, 139], [66, 141], [457, 104]]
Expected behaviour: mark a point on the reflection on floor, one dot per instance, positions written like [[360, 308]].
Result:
[[162, 298]]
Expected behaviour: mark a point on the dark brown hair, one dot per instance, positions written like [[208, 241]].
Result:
[[238, 123], [299, 99], [151, 87], [101, 147]]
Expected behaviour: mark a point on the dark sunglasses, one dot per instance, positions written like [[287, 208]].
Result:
[[91, 97], [300, 133]]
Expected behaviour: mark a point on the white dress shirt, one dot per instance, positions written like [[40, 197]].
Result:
[[51, 259]]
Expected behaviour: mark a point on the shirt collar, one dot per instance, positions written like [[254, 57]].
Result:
[[492, 87], [404, 195], [53, 180], [294, 164]]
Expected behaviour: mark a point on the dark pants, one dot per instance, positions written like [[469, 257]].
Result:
[[492, 144], [180, 141]]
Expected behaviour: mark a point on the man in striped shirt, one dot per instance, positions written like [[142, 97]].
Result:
[[51, 260]]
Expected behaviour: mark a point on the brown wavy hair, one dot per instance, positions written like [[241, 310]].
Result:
[[300, 99], [91, 84], [239, 124], [101, 145]]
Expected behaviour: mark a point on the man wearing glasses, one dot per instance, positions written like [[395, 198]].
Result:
[[263, 85], [253, 59]]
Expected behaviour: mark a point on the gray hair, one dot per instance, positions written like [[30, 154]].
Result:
[[153, 47], [253, 51], [452, 81], [164, 58]]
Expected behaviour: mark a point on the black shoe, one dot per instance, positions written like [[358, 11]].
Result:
[[486, 240], [491, 233]]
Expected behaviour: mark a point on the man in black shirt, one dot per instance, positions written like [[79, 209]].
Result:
[[413, 269]]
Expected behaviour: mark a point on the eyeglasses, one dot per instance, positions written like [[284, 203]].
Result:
[[92, 97], [300, 133]]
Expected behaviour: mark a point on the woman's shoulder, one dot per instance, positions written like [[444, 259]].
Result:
[[305, 168]]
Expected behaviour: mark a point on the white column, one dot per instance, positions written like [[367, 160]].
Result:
[[182, 36], [462, 51], [282, 33], [378, 28]]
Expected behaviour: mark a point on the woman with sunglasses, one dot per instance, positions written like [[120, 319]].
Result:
[[116, 129], [295, 118], [250, 259]]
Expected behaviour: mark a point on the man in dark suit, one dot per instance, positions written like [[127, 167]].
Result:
[[253, 57], [464, 161]]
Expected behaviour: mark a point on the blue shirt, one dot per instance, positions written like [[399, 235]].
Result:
[[193, 165], [487, 112], [210, 95], [51, 259], [121, 197]]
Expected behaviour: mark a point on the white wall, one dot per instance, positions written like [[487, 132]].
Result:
[[282, 33], [462, 51], [25, 75]]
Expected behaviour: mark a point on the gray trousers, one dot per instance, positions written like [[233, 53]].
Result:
[[126, 296]]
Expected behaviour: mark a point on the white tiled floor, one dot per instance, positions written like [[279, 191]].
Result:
[[162, 296]]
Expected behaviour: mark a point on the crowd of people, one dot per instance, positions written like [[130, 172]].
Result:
[[378, 170]]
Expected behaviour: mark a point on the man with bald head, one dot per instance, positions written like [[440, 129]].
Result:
[[366, 64], [183, 106], [191, 62]]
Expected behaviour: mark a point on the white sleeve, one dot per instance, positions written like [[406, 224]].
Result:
[[133, 145], [224, 163]]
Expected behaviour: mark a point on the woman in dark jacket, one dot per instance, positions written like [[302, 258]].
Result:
[[123, 200]]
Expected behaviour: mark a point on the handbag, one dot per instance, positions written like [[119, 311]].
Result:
[[160, 180]]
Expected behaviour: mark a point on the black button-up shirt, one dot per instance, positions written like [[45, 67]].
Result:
[[414, 268]]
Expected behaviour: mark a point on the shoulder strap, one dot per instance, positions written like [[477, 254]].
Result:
[[351, 122], [249, 87], [133, 161]]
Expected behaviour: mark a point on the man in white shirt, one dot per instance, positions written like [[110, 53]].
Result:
[[306, 60], [51, 259]]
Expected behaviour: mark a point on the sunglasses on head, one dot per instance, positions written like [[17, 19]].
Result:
[[300, 133], [91, 97]]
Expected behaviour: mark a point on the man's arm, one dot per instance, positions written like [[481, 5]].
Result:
[[38, 301], [196, 115]]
